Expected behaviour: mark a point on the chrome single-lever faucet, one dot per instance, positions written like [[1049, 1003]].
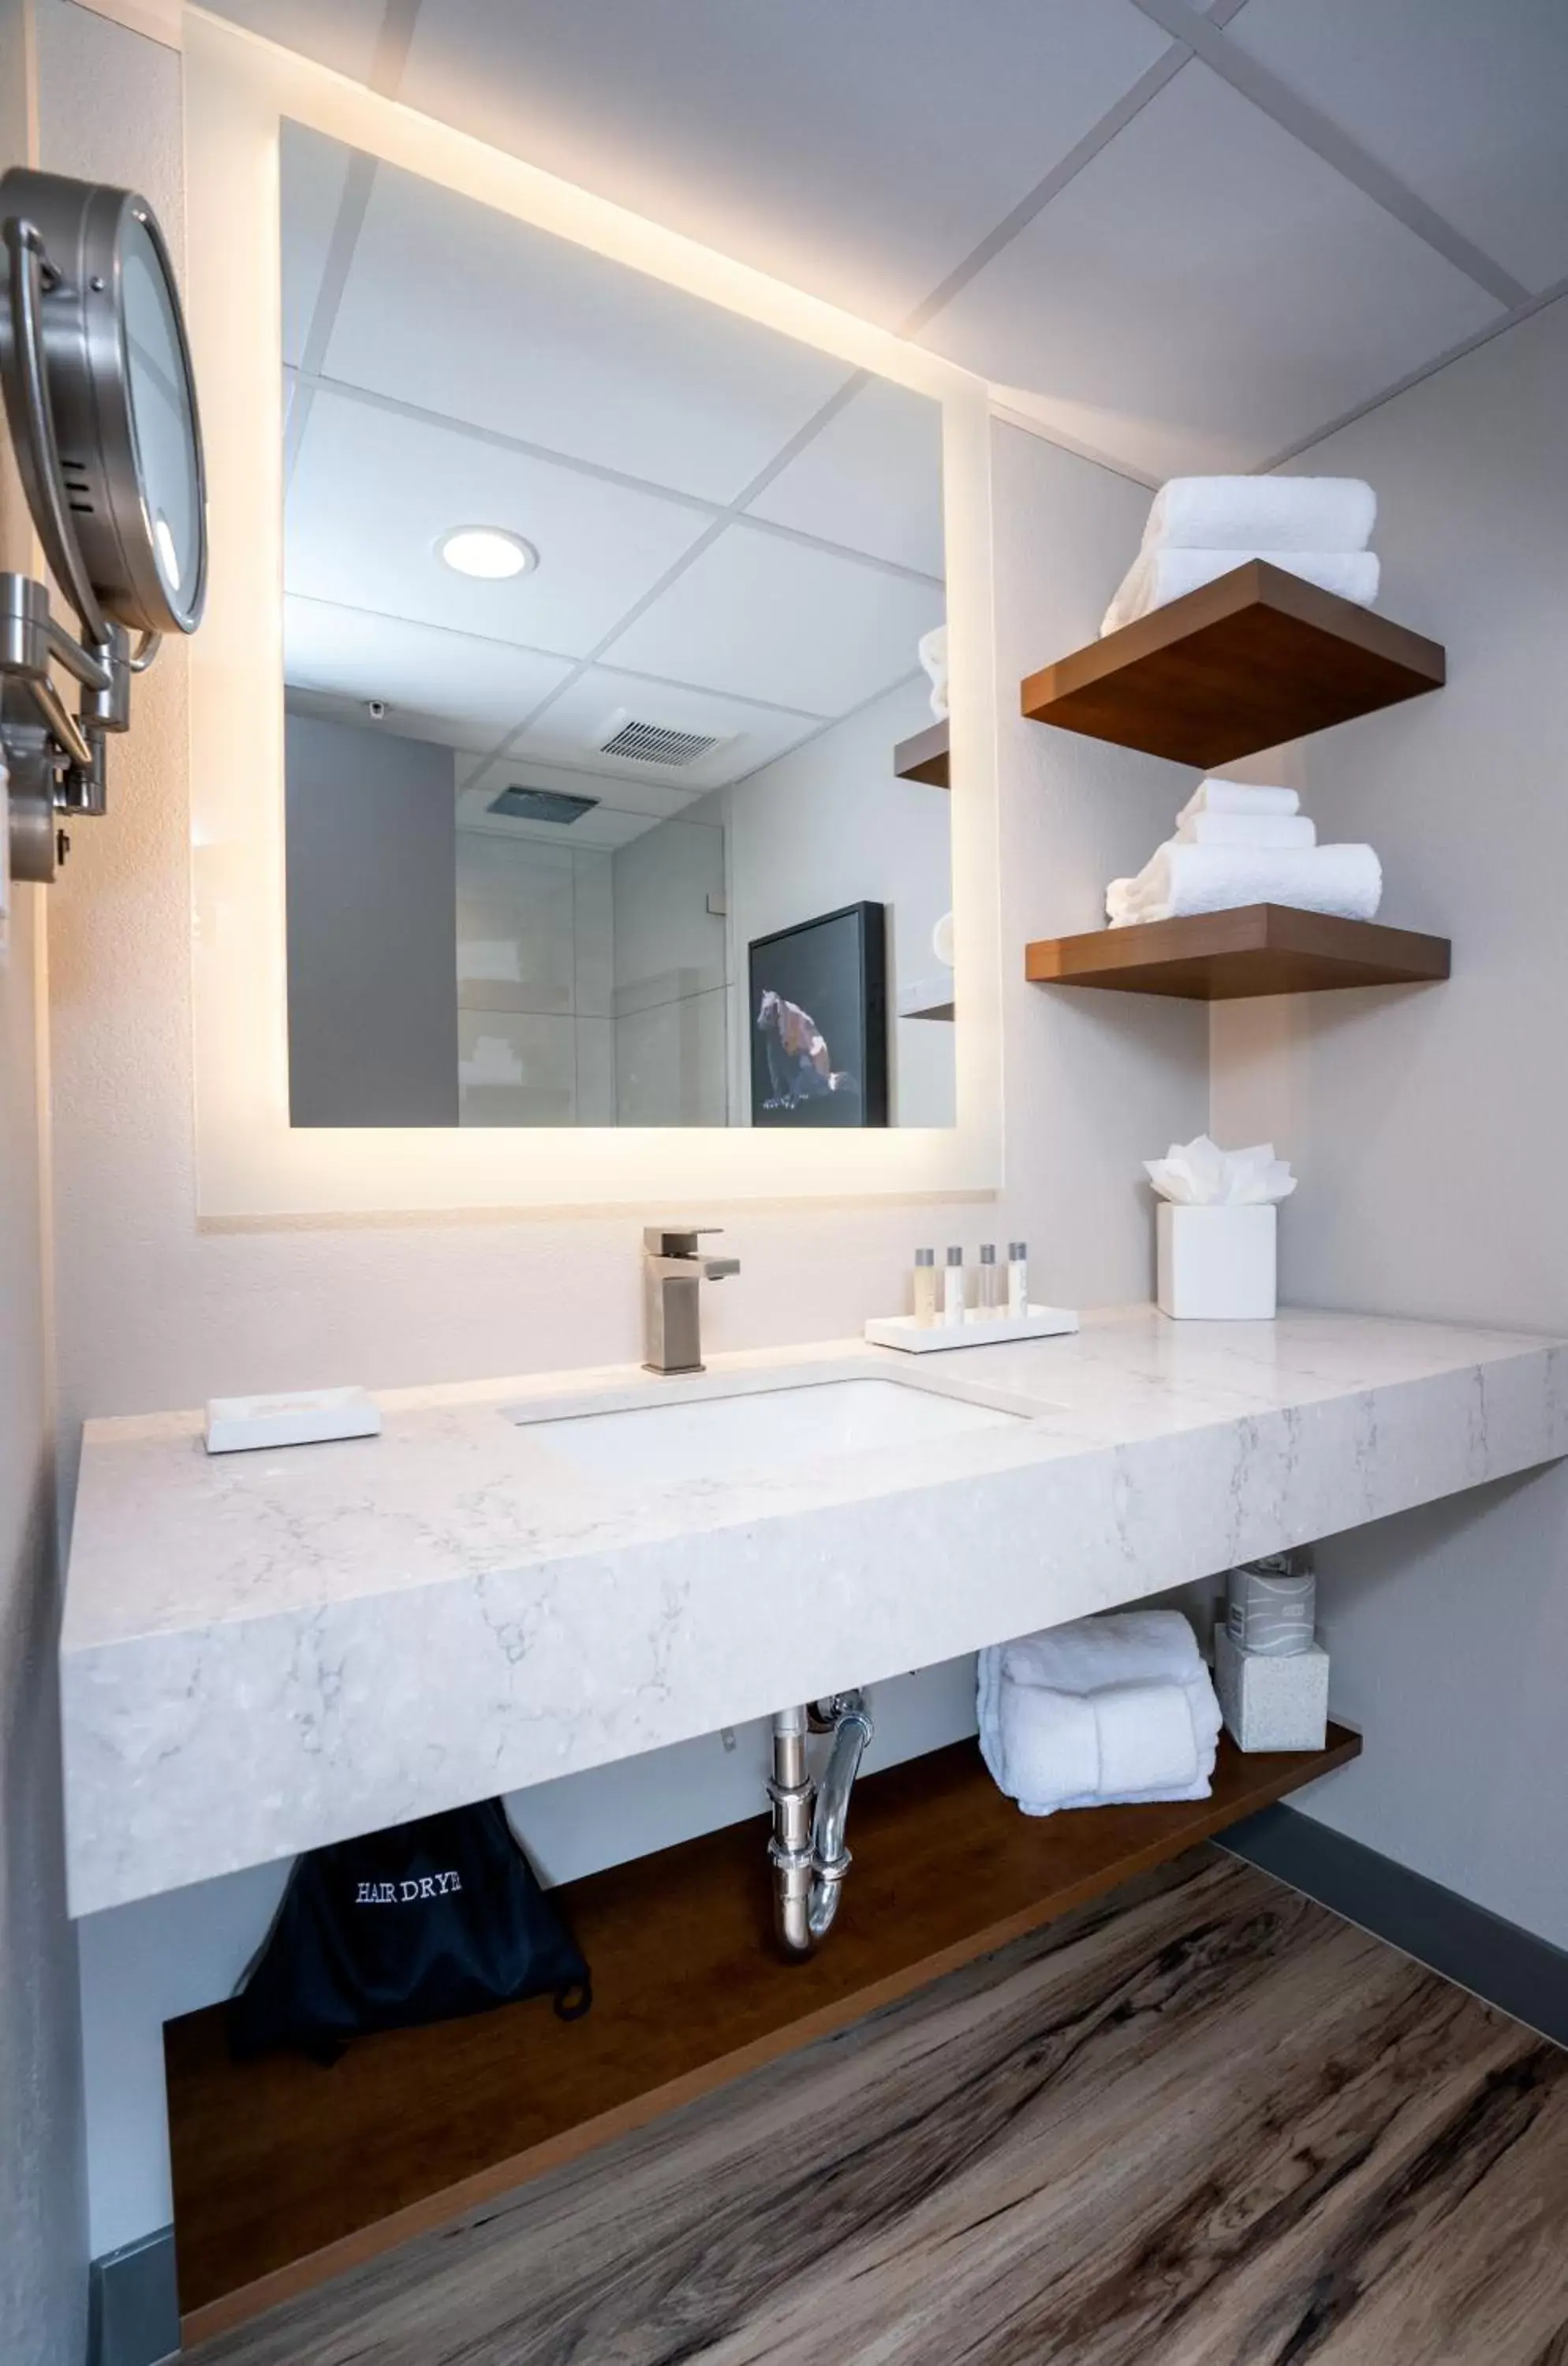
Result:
[[672, 1266]]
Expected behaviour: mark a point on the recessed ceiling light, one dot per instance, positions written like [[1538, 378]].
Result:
[[488, 551]]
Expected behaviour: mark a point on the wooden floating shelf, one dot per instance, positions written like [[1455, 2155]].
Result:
[[285, 2173], [1227, 956], [924, 757], [1241, 664]]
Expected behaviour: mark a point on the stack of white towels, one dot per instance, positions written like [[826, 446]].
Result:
[[1118, 1709], [1202, 527], [1241, 842]]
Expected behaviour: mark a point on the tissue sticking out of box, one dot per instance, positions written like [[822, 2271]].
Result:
[[1200, 1175]]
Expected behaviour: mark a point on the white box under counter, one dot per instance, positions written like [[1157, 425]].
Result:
[[267, 1652]]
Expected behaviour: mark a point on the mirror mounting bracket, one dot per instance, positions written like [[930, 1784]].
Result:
[[66, 353]]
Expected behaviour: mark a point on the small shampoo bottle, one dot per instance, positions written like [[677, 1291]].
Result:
[[952, 1287], [925, 1287], [1017, 1280]]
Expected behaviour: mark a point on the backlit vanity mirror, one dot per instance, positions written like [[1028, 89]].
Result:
[[603, 614]]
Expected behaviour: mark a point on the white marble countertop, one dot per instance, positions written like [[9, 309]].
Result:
[[264, 1651]]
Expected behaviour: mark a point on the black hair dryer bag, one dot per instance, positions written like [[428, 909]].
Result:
[[425, 1922]]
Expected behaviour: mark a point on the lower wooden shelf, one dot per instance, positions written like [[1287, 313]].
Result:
[[1227, 956], [285, 2173], [925, 757]]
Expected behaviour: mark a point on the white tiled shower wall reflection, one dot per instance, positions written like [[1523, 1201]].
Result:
[[590, 984]]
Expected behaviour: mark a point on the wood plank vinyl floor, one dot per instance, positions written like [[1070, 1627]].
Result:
[[1202, 2123]]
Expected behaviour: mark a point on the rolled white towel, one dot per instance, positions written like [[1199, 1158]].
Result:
[[1123, 1742], [1177, 879], [1154, 1737], [1123, 1699], [1246, 829], [1239, 797], [1159, 575], [1263, 514]]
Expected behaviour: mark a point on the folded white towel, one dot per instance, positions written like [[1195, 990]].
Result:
[[1263, 514], [1239, 797], [1246, 829], [1159, 575], [1178, 879], [1121, 1742], [1122, 1647]]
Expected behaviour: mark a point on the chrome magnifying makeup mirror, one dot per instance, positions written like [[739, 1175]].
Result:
[[101, 404]]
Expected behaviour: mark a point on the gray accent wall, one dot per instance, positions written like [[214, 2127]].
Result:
[[372, 927]]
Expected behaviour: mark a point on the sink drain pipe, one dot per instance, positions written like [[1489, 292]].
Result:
[[808, 1850]]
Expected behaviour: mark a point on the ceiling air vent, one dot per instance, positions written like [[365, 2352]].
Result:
[[540, 805], [641, 742]]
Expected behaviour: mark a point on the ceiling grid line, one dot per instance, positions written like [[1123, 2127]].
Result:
[[387, 65], [830, 723], [1100, 135], [347, 223], [1332, 147], [497, 438], [1497, 328], [797, 442], [1197, 36], [558, 657]]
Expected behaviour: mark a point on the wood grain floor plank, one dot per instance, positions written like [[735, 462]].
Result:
[[1206, 2123]]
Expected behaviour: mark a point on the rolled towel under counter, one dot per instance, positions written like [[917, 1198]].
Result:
[[1115, 1709]]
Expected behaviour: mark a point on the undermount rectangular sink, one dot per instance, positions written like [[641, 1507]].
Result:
[[713, 1437]]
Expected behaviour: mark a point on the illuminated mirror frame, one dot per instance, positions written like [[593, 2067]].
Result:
[[252, 1162]]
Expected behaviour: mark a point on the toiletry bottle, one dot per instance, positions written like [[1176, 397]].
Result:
[[925, 1287], [1018, 1280], [952, 1287], [990, 1304]]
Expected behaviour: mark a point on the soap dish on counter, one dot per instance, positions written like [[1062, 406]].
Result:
[[976, 1331]]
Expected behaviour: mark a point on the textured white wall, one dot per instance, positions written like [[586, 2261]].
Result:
[[43, 2286], [1430, 1125], [153, 1311], [829, 825]]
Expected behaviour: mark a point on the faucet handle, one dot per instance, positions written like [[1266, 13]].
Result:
[[675, 1240]]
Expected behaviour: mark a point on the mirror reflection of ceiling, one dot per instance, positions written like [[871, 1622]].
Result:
[[1140, 211], [738, 539]]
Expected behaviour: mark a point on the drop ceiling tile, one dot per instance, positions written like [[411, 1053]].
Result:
[[860, 152], [872, 479], [762, 617], [462, 310], [343, 36], [568, 731], [1207, 291], [451, 687], [1466, 102], [373, 492], [313, 171]]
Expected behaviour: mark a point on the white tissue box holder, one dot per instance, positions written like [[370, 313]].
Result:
[[1216, 1265], [1272, 1701]]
